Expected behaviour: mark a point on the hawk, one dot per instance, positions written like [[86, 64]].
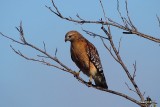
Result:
[[85, 55]]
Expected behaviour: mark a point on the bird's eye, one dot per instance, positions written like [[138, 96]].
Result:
[[69, 36]]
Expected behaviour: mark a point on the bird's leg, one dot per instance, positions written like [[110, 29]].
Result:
[[90, 81], [77, 74]]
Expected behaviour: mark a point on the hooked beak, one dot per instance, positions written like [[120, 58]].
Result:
[[66, 40]]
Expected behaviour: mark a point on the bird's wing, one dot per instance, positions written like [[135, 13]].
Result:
[[94, 56]]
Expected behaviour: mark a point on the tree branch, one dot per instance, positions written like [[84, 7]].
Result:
[[44, 45], [119, 46], [158, 20], [93, 34], [135, 69], [61, 65], [122, 64], [130, 21], [103, 10], [101, 22], [119, 12], [130, 88], [11, 39], [37, 60]]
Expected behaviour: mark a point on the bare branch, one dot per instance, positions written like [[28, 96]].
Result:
[[56, 52], [126, 21], [109, 50], [37, 60], [79, 17], [122, 64], [93, 34], [56, 8], [110, 91], [57, 11], [119, 44], [44, 46], [11, 39], [145, 36], [42, 56], [20, 30], [144, 93], [130, 22], [158, 20], [135, 69], [111, 23], [119, 12], [103, 10], [114, 23], [130, 88]]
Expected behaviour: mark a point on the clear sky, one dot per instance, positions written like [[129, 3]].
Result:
[[29, 84]]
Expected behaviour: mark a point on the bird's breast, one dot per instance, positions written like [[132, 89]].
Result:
[[81, 59]]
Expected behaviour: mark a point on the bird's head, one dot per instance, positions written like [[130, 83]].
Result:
[[72, 36]]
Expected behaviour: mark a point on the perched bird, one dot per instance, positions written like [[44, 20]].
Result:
[[86, 57]]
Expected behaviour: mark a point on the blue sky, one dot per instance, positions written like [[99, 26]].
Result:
[[28, 84]]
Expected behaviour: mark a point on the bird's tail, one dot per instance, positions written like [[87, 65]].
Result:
[[100, 80]]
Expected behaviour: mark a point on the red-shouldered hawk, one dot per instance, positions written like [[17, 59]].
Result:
[[86, 57]]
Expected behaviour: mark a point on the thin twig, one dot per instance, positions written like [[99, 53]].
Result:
[[42, 56], [55, 8], [135, 69], [11, 39], [20, 30], [119, 44], [93, 34], [144, 93], [128, 23], [56, 52], [37, 60], [104, 13], [131, 24], [130, 88], [79, 17], [158, 20], [110, 51], [119, 12], [44, 46]]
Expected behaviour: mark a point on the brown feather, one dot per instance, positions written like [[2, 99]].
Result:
[[86, 57]]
